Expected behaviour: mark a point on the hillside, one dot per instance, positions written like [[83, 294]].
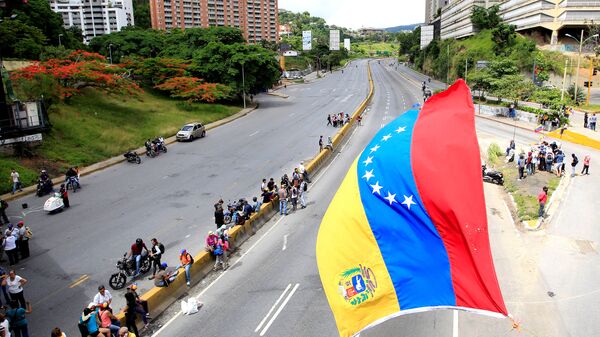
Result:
[[402, 28]]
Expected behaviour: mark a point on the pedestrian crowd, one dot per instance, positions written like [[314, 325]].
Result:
[[547, 157], [589, 122], [338, 120]]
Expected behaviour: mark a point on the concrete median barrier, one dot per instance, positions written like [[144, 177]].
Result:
[[161, 298]]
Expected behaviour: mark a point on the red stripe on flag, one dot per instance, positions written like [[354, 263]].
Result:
[[447, 169]]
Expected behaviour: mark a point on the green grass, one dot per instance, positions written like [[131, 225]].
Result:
[[94, 126], [591, 108], [494, 152], [296, 62], [373, 47]]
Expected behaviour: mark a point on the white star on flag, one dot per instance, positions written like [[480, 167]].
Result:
[[368, 175], [386, 137], [391, 198], [374, 148], [401, 129], [377, 188], [408, 201], [368, 161]]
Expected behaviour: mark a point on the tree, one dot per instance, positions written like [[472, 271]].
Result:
[[141, 13], [20, 40], [483, 18], [154, 71], [513, 87], [195, 90], [504, 37], [37, 13]]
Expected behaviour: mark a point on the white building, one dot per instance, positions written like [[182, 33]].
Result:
[[95, 17], [456, 17]]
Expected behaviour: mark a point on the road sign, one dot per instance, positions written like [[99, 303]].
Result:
[[334, 39], [306, 40], [347, 44], [290, 53], [25, 139], [426, 36]]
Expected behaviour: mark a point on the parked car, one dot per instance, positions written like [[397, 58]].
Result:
[[191, 131]]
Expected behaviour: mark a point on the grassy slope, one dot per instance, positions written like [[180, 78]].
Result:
[[93, 126]]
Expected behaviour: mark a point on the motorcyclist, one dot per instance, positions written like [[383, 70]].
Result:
[[44, 176], [148, 145], [71, 174], [136, 253]]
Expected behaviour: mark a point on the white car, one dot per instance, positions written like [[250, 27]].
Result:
[[191, 131]]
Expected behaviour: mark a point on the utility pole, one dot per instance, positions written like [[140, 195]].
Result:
[[466, 69], [244, 85], [562, 92], [448, 68], [587, 100], [578, 64]]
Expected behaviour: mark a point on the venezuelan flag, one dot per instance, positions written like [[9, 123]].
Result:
[[407, 229]]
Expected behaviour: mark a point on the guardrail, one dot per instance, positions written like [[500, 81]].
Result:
[[160, 298]]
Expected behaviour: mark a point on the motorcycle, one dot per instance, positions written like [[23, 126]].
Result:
[[159, 143], [490, 176], [44, 187], [126, 267], [54, 204], [150, 151], [73, 183], [132, 157]]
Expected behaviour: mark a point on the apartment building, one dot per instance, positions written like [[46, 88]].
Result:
[[95, 17], [549, 20], [258, 19], [433, 9]]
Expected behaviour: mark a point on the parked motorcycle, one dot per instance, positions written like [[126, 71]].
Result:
[[126, 267], [159, 143], [54, 204], [132, 157], [490, 176], [150, 151], [73, 183], [44, 187]]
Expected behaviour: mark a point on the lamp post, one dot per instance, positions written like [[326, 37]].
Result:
[[110, 52], [59, 42], [562, 92], [243, 85], [581, 41]]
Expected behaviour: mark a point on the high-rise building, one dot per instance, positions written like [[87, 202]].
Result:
[[433, 10], [258, 19], [456, 17], [95, 17]]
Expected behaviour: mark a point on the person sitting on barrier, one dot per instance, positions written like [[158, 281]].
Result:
[[165, 275], [186, 261], [107, 319], [256, 204], [329, 144], [211, 241], [248, 209]]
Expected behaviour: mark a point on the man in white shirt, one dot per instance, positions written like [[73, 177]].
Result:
[[10, 247], [16, 181], [103, 296]]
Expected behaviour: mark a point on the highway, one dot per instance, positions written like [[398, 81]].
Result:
[[273, 287], [170, 197]]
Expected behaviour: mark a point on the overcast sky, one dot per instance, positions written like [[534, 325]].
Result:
[[361, 13]]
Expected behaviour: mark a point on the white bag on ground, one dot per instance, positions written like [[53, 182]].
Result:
[[190, 307]]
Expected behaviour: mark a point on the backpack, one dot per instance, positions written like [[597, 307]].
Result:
[[305, 187], [28, 233], [191, 258], [162, 248]]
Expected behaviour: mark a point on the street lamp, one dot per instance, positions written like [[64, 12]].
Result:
[[243, 85], [59, 36], [581, 41], [110, 52]]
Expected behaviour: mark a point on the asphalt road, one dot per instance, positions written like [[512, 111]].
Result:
[[170, 197], [273, 288]]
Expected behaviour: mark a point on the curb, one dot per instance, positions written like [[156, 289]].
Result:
[[119, 159], [555, 199], [160, 298], [273, 93]]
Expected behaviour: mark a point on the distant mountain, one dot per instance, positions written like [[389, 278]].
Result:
[[401, 28]]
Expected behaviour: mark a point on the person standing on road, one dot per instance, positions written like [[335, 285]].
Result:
[[16, 179], [15, 284], [586, 165], [329, 120], [156, 253], [10, 247], [219, 215], [560, 157], [303, 171], [585, 120], [103, 296], [294, 197], [303, 189], [130, 313], [282, 200], [3, 207], [17, 319], [23, 239], [542, 198], [320, 148], [574, 162], [521, 166], [593, 122], [64, 194]]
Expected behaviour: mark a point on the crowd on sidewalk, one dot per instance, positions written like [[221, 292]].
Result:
[[589, 122]]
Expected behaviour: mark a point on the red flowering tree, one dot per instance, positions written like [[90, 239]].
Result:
[[154, 71], [195, 89], [78, 70]]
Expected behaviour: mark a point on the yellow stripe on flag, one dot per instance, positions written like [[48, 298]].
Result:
[[346, 252]]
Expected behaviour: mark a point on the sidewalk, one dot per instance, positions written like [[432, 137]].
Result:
[[575, 133]]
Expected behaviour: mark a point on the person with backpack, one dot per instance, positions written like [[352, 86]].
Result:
[[220, 252], [574, 162], [303, 190], [156, 252], [3, 207], [18, 322], [186, 261]]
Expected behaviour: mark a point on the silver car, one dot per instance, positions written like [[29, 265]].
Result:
[[191, 131]]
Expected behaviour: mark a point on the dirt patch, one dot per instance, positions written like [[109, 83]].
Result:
[[54, 168]]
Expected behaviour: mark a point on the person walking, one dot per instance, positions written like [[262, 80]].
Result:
[[329, 120], [574, 162], [586, 165], [282, 200], [320, 147], [521, 166], [592, 122], [156, 253], [10, 247], [64, 195], [542, 198], [16, 179], [15, 284], [23, 239]]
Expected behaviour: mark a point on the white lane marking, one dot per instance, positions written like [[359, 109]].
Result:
[[287, 299], [284, 242], [187, 236], [272, 308], [253, 134], [455, 324]]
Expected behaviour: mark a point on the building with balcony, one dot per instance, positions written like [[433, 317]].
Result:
[[95, 17], [456, 17], [258, 19]]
